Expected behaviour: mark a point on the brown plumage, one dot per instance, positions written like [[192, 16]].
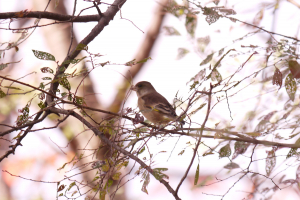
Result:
[[153, 105]]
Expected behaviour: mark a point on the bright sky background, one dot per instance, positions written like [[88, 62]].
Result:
[[119, 43]]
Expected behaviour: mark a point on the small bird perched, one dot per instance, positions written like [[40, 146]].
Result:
[[153, 105]]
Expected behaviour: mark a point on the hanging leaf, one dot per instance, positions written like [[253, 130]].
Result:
[[270, 162], [61, 188], [211, 15], [181, 152], [181, 53], [221, 51], [3, 66], [170, 30], [191, 23], [277, 78], [207, 59], [294, 68], [196, 175], [144, 60], [293, 151], [225, 151], [253, 134], [146, 183], [47, 70], [157, 173], [258, 17], [65, 83], [109, 182], [56, 3], [73, 61], [239, 148], [116, 176], [2, 94], [102, 194], [41, 105], [199, 108], [71, 185], [231, 165], [43, 55], [142, 150], [216, 76], [13, 88], [298, 174], [200, 75], [81, 46], [290, 86]]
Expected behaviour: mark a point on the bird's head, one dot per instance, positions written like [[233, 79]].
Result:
[[142, 88]]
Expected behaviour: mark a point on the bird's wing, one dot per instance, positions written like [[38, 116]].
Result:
[[158, 103]]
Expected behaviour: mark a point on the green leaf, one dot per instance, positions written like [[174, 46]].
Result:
[[79, 100], [225, 151], [277, 78], [208, 153], [293, 151], [270, 162], [71, 185], [141, 151], [56, 3], [13, 88], [42, 86], [105, 167], [181, 152], [2, 94], [196, 175], [181, 53], [207, 59], [47, 70], [157, 173], [96, 178], [146, 183], [43, 55], [290, 86], [46, 78], [253, 134], [82, 47], [109, 182], [3, 66], [170, 30], [231, 165], [239, 148], [132, 142], [191, 23], [116, 176], [144, 60], [199, 108], [216, 76], [75, 192], [102, 194], [62, 166], [65, 83], [41, 105], [73, 61]]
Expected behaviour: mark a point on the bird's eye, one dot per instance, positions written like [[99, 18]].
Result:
[[139, 86]]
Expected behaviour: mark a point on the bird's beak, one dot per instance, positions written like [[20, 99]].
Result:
[[133, 88]]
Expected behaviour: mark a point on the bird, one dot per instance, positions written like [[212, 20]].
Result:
[[153, 105]]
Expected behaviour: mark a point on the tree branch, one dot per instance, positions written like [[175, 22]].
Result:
[[112, 144], [104, 21], [49, 15]]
